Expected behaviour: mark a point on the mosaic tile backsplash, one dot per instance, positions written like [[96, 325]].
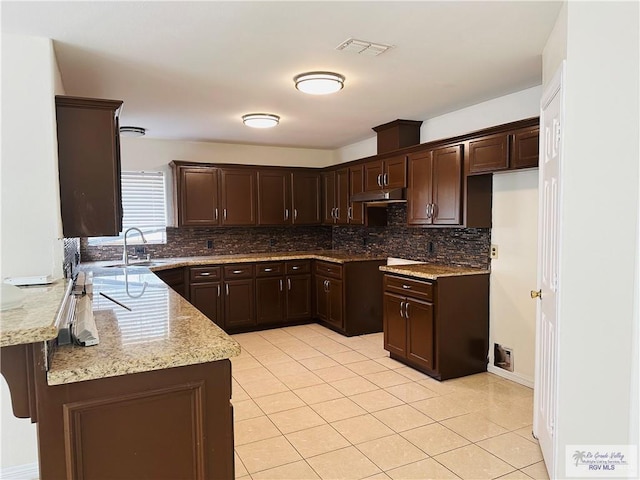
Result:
[[458, 246]]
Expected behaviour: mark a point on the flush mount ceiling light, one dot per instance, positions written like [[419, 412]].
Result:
[[132, 132], [319, 83], [260, 120]]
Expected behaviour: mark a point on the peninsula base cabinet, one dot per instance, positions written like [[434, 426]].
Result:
[[440, 327], [347, 296], [123, 427]]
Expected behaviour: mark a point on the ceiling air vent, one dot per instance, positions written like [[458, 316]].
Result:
[[363, 47]]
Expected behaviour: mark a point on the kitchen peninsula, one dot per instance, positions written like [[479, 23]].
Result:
[[159, 381]]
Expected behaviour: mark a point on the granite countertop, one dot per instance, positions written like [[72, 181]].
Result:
[[431, 271], [35, 320], [162, 330]]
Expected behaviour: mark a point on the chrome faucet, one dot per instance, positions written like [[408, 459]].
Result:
[[125, 255]]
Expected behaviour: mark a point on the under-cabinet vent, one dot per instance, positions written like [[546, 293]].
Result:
[[363, 47]]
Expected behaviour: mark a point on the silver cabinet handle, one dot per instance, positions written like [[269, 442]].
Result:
[[295, 267], [224, 213], [434, 210], [295, 213], [385, 179], [235, 272], [406, 287], [379, 179], [401, 309], [266, 270], [204, 274], [333, 212], [280, 284], [350, 213], [218, 290], [286, 214], [428, 210], [288, 284], [406, 310], [216, 213], [227, 289]]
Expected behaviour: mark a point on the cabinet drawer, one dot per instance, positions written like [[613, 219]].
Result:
[[244, 270], [269, 269], [329, 269], [204, 274], [298, 266], [408, 287]]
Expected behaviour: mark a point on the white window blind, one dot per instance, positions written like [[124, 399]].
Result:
[[144, 206]]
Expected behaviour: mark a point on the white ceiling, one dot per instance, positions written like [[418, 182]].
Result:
[[190, 70]]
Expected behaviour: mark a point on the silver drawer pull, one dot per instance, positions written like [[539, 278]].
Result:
[[237, 272], [267, 270], [204, 274], [402, 309], [406, 287], [295, 268]]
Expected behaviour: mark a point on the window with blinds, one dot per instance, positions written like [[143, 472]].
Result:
[[144, 206]]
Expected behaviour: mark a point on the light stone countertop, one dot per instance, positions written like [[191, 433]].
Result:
[[162, 330], [35, 320], [431, 271]]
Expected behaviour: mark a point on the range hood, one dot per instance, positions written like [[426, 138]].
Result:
[[393, 195]]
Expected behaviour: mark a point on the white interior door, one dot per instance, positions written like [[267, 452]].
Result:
[[544, 417]]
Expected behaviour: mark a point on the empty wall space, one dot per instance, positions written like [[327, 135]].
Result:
[[513, 273]]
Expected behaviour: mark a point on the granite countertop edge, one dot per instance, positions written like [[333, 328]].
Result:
[[432, 271]]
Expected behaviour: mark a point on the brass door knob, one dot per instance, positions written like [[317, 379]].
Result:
[[536, 293]]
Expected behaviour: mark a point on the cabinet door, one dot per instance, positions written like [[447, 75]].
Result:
[[394, 324], [298, 297], [373, 176], [488, 154], [525, 148], [420, 338], [335, 315], [328, 197], [395, 172], [322, 302], [89, 166], [356, 185], [305, 198], [342, 196], [419, 193], [447, 186], [238, 196], [274, 197], [206, 297], [238, 303], [269, 300], [197, 196]]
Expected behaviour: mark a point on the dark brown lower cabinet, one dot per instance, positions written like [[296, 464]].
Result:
[[207, 297], [270, 301], [439, 327], [329, 301], [175, 278], [298, 297], [163, 424], [239, 304]]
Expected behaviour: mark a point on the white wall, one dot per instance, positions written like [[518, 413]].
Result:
[[555, 50], [514, 217], [30, 217], [29, 169], [155, 155], [596, 318]]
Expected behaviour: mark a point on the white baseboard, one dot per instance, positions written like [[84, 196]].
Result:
[[27, 471], [514, 377]]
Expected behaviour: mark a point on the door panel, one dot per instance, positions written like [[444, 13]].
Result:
[[305, 200], [394, 324], [420, 337], [342, 195], [298, 297], [206, 297], [525, 150], [447, 186], [238, 197], [372, 176], [269, 300], [198, 204], [328, 197], [395, 170], [488, 154], [238, 303], [274, 198], [419, 193], [356, 185], [322, 302], [336, 315]]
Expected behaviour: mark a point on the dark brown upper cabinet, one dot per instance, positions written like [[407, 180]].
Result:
[[385, 174], [335, 189], [197, 193], [89, 166], [274, 197], [435, 187], [355, 214], [238, 199], [504, 151], [305, 198]]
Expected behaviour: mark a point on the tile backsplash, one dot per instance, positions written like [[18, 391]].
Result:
[[459, 246]]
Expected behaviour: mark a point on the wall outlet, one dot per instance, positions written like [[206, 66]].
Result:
[[494, 251], [503, 357], [209, 243], [272, 242], [431, 248]]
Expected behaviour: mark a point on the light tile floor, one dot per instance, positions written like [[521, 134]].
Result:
[[312, 404]]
